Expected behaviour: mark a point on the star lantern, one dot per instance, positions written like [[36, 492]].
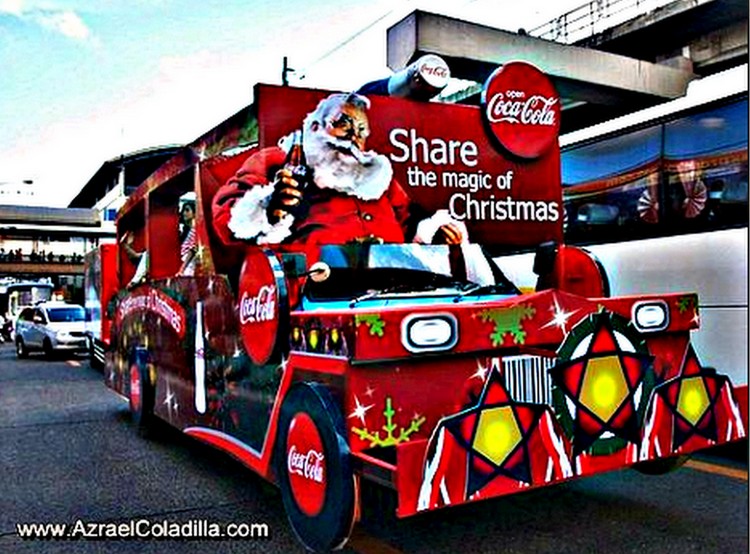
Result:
[[494, 432], [602, 384], [693, 398]]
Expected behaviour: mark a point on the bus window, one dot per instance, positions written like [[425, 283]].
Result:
[[706, 168], [611, 187], [686, 175]]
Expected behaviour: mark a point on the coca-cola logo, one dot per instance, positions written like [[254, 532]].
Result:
[[522, 109], [433, 70], [436, 70], [260, 307], [259, 298], [535, 110], [308, 466]]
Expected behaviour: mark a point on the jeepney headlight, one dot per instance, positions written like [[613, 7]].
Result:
[[429, 333], [651, 316]]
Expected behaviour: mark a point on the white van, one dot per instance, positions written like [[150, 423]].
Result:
[[51, 327]]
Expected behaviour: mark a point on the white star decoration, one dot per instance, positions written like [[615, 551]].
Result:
[[697, 319], [360, 410], [559, 317], [170, 401], [481, 372]]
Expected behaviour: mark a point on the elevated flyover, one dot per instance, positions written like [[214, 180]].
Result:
[[30, 230], [596, 80]]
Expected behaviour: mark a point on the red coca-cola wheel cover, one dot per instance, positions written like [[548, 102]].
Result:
[[258, 309], [306, 464], [522, 110]]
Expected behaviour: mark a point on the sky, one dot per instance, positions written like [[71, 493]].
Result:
[[84, 81]]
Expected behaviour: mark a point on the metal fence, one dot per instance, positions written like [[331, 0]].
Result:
[[593, 18]]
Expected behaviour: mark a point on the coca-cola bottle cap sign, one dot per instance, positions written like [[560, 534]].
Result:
[[258, 300], [522, 109]]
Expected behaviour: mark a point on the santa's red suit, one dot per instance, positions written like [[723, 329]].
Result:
[[333, 217]]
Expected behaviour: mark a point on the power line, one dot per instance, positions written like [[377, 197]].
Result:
[[345, 42], [348, 40]]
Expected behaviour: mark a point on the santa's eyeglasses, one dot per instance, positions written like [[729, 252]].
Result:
[[347, 124]]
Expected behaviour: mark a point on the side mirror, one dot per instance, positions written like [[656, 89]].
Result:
[[544, 259], [574, 270]]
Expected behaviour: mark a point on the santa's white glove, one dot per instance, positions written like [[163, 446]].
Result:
[[441, 228], [249, 218]]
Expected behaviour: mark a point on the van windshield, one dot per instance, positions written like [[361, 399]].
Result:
[[73, 313], [358, 270]]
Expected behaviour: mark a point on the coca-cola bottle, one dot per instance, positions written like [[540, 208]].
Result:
[[296, 163], [421, 80]]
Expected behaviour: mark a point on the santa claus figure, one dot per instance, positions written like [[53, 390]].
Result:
[[348, 194]]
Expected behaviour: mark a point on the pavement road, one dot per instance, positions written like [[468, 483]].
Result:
[[69, 452]]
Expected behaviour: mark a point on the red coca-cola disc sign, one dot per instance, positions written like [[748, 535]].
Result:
[[258, 305], [306, 464], [522, 109]]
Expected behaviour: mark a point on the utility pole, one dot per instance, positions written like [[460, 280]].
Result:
[[285, 70]]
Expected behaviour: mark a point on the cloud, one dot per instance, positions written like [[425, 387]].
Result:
[[66, 22], [13, 7]]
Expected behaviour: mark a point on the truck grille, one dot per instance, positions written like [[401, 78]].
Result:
[[527, 378]]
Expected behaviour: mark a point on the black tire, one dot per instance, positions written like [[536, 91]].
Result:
[[141, 394], [47, 347], [330, 526], [378, 507], [660, 466], [21, 350]]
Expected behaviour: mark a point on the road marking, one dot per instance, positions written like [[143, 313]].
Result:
[[74, 363], [364, 543], [717, 469]]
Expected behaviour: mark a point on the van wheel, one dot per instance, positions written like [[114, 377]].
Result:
[[21, 350], [314, 469], [141, 395], [47, 347]]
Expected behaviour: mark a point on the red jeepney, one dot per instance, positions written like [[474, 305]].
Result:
[[417, 366]]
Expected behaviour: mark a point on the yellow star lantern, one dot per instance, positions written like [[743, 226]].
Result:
[[604, 387], [602, 384], [693, 400], [498, 434]]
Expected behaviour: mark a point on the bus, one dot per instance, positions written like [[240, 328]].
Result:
[[660, 197]]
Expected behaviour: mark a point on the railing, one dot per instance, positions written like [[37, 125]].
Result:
[[40, 258], [593, 18]]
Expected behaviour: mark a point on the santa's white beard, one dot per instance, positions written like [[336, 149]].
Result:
[[365, 175]]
